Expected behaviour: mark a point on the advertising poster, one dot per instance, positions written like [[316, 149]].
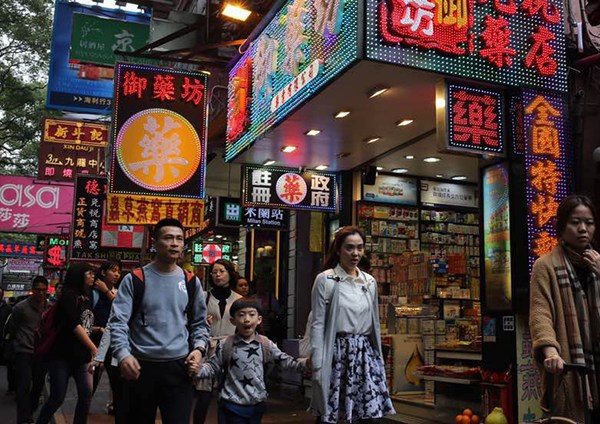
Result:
[[288, 188], [92, 239], [31, 206], [159, 132], [496, 238], [392, 189], [77, 87], [449, 194]]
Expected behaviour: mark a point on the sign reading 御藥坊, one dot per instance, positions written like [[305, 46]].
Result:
[[503, 42], [288, 188], [95, 39], [303, 48]]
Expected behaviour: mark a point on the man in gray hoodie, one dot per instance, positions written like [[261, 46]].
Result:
[[153, 347]]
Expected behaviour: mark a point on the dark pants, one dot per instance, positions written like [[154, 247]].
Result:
[[162, 385], [30, 376], [231, 413], [203, 399], [59, 372], [120, 395]]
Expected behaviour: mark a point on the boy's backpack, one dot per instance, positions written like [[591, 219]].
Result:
[[46, 334], [138, 280]]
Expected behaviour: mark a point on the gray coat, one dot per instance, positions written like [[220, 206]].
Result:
[[325, 313]]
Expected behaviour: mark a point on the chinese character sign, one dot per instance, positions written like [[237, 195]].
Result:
[[17, 249], [230, 212], [287, 188], [31, 206], [473, 119], [92, 239], [240, 96], [504, 42], [71, 147], [159, 132], [548, 167]]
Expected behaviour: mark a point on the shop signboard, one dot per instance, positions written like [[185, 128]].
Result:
[[55, 255], [27, 264], [303, 48], [496, 238], [529, 380], [71, 147], [208, 253], [231, 212], [92, 239], [502, 42], [159, 132], [31, 206], [435, 193], [80, 88], [391, 189], [472, 120], [517, 131], [95, 39], [18, 249], [289, 188], [548, 161]]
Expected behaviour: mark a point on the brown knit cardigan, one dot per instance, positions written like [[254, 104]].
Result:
[[549, 328]]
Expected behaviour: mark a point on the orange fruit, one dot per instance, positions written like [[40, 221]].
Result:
[[468, 413], [475, 419], [459, 418], [466, 419]]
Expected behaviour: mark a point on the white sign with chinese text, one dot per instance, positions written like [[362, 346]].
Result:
[[439, 193]]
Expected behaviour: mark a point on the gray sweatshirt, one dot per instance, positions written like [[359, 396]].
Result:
[[164, 337], [24, 321]]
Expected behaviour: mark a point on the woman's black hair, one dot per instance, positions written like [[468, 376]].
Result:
[[75, 277], [107, 265], [230, 268], [333, 256], [565, 209]]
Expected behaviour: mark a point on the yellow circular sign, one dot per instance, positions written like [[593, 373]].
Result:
[[158, 149]]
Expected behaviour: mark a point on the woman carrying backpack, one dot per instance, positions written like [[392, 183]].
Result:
[[72, 349]]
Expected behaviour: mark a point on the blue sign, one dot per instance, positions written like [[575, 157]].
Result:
[[74, 87]]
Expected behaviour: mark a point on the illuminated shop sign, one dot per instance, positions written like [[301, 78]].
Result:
[[16, 249], [506, 42], [548, 164], [71, 147], [517, 130], [92, 239], [159, 132], [471, 121], [208, 253], [288, 188], [303, 48], [230, 212], [55, 254], [437, 193]]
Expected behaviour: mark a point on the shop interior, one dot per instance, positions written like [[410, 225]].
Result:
[[425, 257]]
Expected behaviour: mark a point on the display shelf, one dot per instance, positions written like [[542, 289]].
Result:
[[451, 380], [458, 354], [392, 237]]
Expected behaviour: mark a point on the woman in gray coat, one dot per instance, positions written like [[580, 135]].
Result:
[[349, 381]]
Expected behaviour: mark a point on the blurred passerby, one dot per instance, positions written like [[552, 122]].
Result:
[[241, 287], [24, 321], [5, 356], [73, 349]]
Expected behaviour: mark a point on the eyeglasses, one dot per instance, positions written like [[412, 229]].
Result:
[[218, 271]]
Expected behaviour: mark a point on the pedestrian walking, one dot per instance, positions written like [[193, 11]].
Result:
[[6, 353], [158, 329], [349, 381], [72, 350]]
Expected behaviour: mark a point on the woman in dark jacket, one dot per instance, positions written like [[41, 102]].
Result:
[[73, 349]]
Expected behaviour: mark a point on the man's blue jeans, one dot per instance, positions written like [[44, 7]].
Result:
[[60, 371]]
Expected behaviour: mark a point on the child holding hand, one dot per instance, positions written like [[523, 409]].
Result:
[[241, 359]]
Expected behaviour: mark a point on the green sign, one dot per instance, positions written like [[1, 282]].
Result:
[[94, 39]]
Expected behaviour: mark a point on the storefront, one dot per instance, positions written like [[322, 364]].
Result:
[[445, 121]]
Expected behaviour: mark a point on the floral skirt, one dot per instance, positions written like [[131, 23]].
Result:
[[358, 389]]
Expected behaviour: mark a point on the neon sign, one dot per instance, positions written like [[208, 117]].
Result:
[[548, 164]]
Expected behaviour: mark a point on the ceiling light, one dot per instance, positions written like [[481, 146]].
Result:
[[313, 132], [399, 170], [235, 12], [288, 149], [409, 157], [380, 168], [268, 162], [342, 114], [440, 103], [322, 167], [219, 236], [404, 122], [459, 178], [371, 139], [439, 175], [377, 90], [431, 159]]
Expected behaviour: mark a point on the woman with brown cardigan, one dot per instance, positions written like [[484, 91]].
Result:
[[564, 316]]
